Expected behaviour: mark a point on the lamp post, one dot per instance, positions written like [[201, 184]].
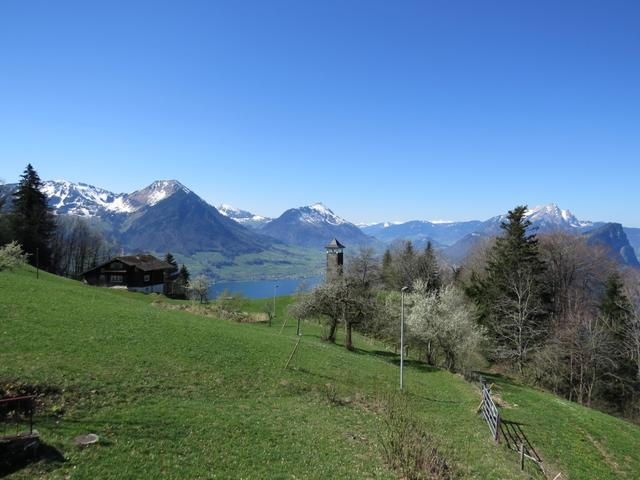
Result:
[[275, 288], [404, 289]]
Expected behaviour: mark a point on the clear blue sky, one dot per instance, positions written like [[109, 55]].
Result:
[[388, 110]]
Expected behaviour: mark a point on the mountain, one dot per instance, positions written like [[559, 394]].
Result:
[[613, 237], [457, 252], [633, 234], [243, 217], [446, 233], [175, 219], [544, 219], [314, 226], [164, 216]]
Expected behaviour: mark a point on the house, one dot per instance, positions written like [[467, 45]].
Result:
[[139, 273]]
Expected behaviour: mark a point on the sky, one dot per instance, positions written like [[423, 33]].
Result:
[[383, 111]]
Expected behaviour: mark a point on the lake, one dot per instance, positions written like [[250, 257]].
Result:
[[264, 288]]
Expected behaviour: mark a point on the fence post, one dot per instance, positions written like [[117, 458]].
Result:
[[522, 456], [497, 436]]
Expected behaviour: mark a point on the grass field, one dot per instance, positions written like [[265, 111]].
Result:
[[176, 395]]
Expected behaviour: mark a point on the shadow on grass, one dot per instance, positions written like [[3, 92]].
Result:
[[16, 455], [394, 359]]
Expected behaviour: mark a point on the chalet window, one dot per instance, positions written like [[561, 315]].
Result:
[[116, 266], [116, 278], [147, 278]]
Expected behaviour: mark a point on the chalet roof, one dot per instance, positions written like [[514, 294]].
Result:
[[144, 262], [335, 244]]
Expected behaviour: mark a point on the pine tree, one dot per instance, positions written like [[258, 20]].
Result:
[[32, 222], [184, 274], [620, 382], [511, 296], [389, 274], [429, 268], [169, 258]]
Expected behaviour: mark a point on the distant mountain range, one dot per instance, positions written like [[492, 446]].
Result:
[[164, 216], [167, 216], [457, 239], [314, 226]]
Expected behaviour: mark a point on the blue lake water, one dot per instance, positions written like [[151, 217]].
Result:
[[264, 288]]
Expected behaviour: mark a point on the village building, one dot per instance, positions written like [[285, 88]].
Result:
[[139, 273]]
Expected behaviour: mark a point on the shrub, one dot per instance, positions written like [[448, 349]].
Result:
[[12, 256], [409, 448]]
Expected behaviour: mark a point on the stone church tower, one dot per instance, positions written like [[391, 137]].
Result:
[[335, 260]]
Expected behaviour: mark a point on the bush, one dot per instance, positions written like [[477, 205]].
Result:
[[409, 448], [12, 256]]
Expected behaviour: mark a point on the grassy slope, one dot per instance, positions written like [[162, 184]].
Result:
[[182, 396]]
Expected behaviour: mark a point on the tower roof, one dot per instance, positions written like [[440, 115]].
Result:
[[335, 244]]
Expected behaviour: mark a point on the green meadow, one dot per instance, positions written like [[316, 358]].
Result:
[[172, 394]]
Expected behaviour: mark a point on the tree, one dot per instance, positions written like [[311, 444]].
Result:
[[11, 256], [323, 301], [427, 268], [183, 274], [76, 246], [198, 288], [620, 382], [169, 258], [511, 296], [389, 273], [443, 323], [32, 222]]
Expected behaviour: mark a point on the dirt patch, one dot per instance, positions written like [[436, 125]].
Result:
[[50, 399], [215, 311]]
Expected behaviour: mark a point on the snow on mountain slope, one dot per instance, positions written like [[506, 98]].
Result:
[[319, 213], [551, 214], [156, 192], [243, 217], [84, 200]]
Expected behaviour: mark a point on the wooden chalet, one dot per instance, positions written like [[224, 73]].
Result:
[[140, 273]]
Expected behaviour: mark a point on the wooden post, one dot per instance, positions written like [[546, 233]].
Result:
[[497, 435], [522, 456], [293, 352]]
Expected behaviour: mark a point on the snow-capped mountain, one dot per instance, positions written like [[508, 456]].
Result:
[[156, 192], [85, 200], [68, 198], [243, 217], [164, 216], [314, 226]]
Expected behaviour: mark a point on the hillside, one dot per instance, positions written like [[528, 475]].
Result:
[[177, 395]]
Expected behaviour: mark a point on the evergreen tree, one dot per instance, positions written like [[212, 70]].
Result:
[[428, 268], [169, 258], [389, 273], [620, 382], [407, 265], [511, 295], [184, 275], [32, 222]]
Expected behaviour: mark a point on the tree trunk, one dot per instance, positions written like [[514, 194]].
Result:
[[348, 342], [332, 330]]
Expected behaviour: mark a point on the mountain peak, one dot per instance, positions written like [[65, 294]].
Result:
[[158, 191], [552, 214], [319, 213]]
